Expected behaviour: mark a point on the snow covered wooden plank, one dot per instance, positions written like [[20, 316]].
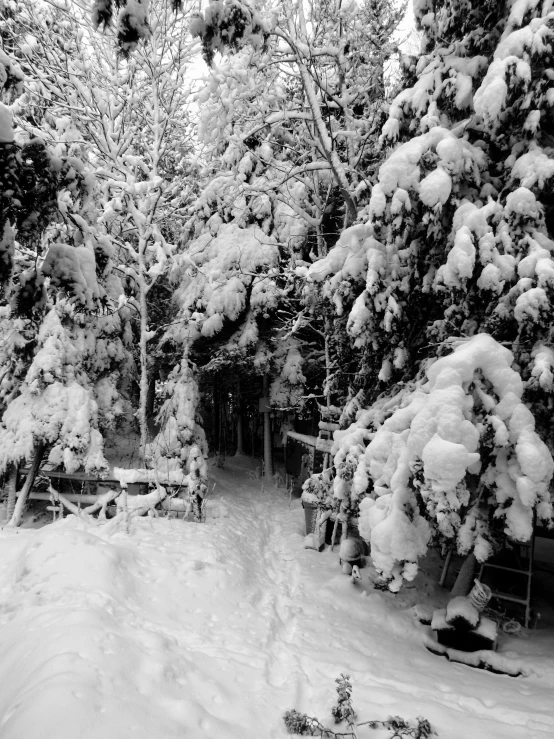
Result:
[[322, 445]]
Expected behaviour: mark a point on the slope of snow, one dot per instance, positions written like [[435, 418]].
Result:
[[176, 629]]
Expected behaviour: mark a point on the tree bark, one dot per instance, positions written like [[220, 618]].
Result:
[[240, 434], [268, 446], [142, 348], [15, 520], [464, 581], [151, 397], [322, 134], [215, 417], [12, 489], [240, 427]]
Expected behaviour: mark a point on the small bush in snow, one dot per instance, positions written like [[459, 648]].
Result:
[[304, 725]]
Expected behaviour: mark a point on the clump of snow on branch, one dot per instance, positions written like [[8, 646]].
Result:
[[227, 25], [287, 388], [220, 272], [75, 269]]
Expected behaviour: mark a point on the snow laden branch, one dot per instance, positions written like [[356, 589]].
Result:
[[458, 458]]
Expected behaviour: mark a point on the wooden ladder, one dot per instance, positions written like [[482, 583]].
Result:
[[525, 572]]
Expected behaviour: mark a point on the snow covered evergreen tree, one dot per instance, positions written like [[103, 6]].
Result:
[[181, 443], [455, 241]]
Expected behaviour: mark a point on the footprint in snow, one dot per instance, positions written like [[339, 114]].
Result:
[[194, 564]]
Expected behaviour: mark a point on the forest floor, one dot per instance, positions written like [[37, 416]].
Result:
[[176, 629]]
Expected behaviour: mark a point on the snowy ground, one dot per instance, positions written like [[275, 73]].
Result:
[[183, 630]]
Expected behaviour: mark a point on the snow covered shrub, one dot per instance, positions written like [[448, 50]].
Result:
[[304, 725], [318, 489], [458, 459]]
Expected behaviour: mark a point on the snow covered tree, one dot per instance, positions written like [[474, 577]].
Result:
[[63, 338], [181, 442], [291, 83], [227, 290], [55, 407], [132, 114], [313, 87], [455, 241]]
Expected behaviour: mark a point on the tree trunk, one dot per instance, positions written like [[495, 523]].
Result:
[[464, 581], [12, 489], [15, 520], [151, 399], [142, 349], [240, 428], [240, 434], [322, 134], [215, 417], [328, 364], [268, 446]]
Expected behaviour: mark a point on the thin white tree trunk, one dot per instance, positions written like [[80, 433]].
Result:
[[15, 520], [142, 349], [240, 435], [12, 490], [325, 141]]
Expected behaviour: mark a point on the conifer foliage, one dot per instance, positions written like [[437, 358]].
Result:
[[455, 242]]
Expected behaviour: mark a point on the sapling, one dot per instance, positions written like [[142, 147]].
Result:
[[304, 725]]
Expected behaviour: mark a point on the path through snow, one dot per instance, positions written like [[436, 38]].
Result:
[[197, 631]]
